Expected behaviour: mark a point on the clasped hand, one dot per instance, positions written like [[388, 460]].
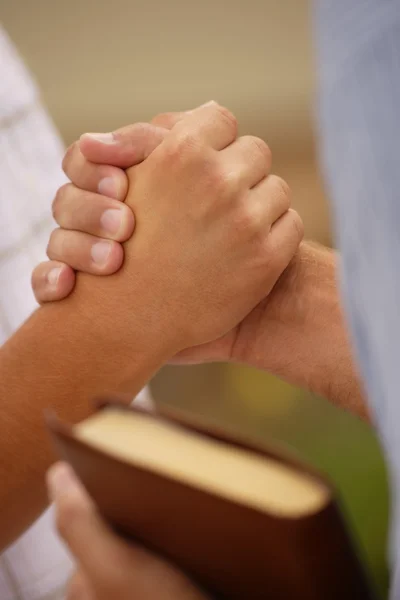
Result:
[[212, 228], [212, 233]]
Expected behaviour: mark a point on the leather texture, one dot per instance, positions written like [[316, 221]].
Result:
[[232, 551]]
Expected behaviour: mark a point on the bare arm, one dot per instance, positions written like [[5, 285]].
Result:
[[113, 333], [62, 357], [299, 333]]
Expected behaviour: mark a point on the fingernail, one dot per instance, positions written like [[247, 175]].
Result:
[[53, 276], [108, 187], [100, 252], [111, 220], [104, 138], [60, 480]]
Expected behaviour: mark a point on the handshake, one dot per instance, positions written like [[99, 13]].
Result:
[[208, 232], [186, 249]]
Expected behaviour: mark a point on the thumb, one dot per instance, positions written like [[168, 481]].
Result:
[[122, 148], [112, 568], [93, 544], [129, 145]]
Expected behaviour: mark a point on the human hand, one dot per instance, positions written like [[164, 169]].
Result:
[[276, 335], [130, 144], [286, 332], [108, 566], [204, 194], [89, 211]]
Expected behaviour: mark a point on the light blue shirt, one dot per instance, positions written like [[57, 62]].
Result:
[[358, 56]]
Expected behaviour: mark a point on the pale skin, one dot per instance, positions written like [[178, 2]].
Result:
[[286, 334], [202, 189]]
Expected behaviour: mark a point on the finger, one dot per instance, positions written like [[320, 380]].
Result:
[[168, 119], [52, 280], [129, 145], [79, 588], [271, 197], [248, 158], [124, 147], [95, 547], [284, 239], [104, 217], [102, 179], [210, 124], [84, 252], [114, 568]]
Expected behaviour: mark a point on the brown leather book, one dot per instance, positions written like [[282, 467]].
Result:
[[244, 521]]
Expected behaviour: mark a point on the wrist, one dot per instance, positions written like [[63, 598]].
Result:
[[124, 332], [300, 333]]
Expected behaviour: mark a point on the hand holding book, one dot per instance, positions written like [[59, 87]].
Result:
[[242, 521], [109, 567], [213, 234]]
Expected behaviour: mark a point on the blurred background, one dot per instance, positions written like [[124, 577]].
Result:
[[104, 64]]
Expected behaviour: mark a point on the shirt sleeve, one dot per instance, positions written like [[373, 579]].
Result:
[[358, 60]]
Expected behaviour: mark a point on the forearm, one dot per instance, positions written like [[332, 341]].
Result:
[[62, 357], [300, 334]]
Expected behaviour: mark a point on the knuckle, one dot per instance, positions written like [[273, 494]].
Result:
[[186, 141], [69, 512], [297, 223], [258, 148], [230, 120], [58, 201], [282, 191], [165, 119], [131, 133], [227, 181], [140, 127], [184, 148], [219, 181], [282, 185], [160, 117], [68, 157], [53, 243], [247, 220], [143, 138]]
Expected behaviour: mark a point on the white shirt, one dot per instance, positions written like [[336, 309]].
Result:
[[35, 567]]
